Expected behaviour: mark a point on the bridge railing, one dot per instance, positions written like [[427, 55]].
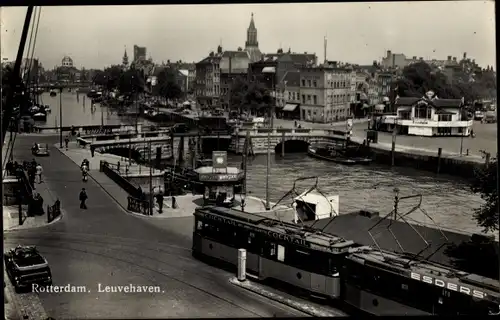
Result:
[[294, 131], [110, 170]]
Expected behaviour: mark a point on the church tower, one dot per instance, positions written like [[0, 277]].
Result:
[[125, 59], [252, 45]]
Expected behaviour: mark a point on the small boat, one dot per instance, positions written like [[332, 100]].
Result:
[[330, 153], [53, 93], [40, 116]]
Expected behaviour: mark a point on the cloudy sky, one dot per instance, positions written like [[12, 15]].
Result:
[[357, 32]]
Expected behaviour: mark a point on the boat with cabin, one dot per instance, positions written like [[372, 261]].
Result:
[[339, 153]]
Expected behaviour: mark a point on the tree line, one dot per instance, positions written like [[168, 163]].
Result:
[[133, 81], [420, 77]]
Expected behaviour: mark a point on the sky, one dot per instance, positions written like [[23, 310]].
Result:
[[96, 36]]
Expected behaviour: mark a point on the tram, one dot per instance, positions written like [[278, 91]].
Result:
[[275, 250], [370, 280]]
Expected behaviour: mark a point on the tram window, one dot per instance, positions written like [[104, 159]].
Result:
[[404, 286], [270, 250], [281, 253]]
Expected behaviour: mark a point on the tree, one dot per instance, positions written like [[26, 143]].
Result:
[[167, 87], [131, 81], [250, 96], [113, 75], [485, 183]]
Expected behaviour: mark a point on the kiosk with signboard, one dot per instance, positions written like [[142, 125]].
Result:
[[220, 181]]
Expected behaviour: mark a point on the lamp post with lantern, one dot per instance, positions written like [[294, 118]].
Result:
[[272, 72]]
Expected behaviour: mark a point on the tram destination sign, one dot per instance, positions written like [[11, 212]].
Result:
[[269, 233]]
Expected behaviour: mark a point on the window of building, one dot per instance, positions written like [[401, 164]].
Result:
[[444, 117], [303, 82], [315, 84], [308, 98], [308, 83], [422, 112], [315, 99], [303, 98]]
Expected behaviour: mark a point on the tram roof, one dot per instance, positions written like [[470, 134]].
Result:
[[302, 232], [451, 253]]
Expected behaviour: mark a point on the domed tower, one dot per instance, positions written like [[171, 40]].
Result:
[[67, 62], [252, 45]]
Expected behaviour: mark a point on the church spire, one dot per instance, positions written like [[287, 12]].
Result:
[[252, 24], [251, 35], [125, 58]]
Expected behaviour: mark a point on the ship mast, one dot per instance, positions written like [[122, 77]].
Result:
[[15, 74]]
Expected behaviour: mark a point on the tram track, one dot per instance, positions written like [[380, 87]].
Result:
[[214, 283]]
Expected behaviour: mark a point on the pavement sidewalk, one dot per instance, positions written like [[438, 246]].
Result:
[[11, 213], [186, 204]]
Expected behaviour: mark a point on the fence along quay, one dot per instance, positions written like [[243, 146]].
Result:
[[369, 279]]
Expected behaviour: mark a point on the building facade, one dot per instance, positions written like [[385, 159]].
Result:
[[207, 85], [233, 64], [324, 94], [288, 96], [139, 53], [430, 116]]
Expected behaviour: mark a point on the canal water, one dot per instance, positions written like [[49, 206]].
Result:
[[76, 110], [448, 201]]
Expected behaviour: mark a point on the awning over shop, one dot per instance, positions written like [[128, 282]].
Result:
[[290, 107], [444, 112], [365, 106], [379, 107]]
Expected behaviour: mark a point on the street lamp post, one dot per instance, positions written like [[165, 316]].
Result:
[[60, 118], [271, 71]]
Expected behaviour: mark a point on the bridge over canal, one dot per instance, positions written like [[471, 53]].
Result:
[[170, 144]]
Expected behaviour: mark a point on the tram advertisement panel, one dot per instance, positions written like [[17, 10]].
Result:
[[269, 233]]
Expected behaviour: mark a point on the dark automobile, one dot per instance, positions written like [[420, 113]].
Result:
[[25, 266], [41, 151]]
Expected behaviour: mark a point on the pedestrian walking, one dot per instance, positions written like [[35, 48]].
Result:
[[92, 150], [159, 200], [39, 171], [66, 142], [83, 197]]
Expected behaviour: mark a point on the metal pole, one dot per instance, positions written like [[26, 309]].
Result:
[[393, 146], [268, 173], [60, 118], [102, 117], [150, 181], [462, 135]]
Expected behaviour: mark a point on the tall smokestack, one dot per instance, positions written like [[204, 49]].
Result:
[[325, 44]]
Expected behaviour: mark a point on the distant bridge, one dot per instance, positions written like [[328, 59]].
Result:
[[47, 86]]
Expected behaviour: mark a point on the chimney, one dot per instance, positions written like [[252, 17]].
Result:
[[454, 59], [421, 59], [219, 49], [465, 55], [389, 53], [414, 57], [449, 58], [325, 44]]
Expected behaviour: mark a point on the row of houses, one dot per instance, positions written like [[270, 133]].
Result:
[[303, 89]]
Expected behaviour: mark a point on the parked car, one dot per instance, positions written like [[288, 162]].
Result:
[[25, 266]]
